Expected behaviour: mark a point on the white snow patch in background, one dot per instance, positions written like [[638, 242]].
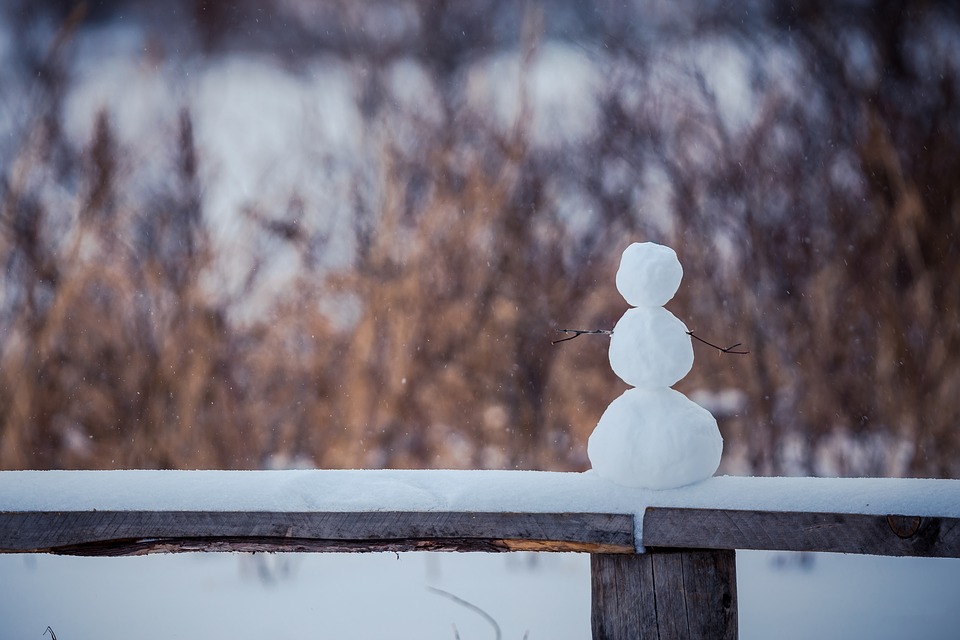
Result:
[[559, 88], [413, 91], [136, 98], [265, 132], [266, 140], [726, 72], [842, 453], [722, 402]]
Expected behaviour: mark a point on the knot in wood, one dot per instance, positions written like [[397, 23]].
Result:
[[904, 526]]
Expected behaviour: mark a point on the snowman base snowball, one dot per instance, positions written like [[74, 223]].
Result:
[[655, 439]]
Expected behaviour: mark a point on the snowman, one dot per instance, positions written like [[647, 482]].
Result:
[[652, 436]]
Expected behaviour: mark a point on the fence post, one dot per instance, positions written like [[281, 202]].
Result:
[[665, 593]]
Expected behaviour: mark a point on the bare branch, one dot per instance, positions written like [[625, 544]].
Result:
[[729, 349], [579, 332]]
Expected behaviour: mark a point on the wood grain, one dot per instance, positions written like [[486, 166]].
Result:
[[893, 535], [623, 603], [664, 594], [139, 532]]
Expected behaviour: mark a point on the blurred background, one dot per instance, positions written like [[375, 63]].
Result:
[[256, 234]]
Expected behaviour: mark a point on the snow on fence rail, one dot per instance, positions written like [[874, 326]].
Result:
[[683, 586]]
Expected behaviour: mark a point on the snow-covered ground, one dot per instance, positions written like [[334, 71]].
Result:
[[538, 596]]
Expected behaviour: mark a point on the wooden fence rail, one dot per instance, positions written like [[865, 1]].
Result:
[[117, 533]]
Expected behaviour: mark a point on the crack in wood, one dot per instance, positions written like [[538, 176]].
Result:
[[139, 532]]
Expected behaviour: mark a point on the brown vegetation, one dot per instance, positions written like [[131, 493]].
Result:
[[821, 232]]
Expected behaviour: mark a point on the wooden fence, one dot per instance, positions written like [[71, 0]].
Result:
[[683, 586]]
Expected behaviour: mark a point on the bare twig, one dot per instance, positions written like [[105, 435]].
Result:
[[729, 349], [486, 616], [579, 332]]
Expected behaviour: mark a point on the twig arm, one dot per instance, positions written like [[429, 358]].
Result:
[[730, 349], [579, 332], [576, 333]]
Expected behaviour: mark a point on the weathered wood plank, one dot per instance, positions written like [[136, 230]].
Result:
[[710, 582], [664, 594], [671, 599], [138, 532], [893, 535], [146, 531], [623, 602]]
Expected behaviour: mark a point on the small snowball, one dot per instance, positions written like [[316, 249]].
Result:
[[649, 274], [655, 439], [650, 348]]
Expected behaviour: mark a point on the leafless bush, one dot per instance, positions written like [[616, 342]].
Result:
[[817, 225]]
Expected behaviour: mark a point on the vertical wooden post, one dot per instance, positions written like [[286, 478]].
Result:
[[665, 593]]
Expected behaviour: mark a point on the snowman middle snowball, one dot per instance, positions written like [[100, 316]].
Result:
[[650, 347]]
